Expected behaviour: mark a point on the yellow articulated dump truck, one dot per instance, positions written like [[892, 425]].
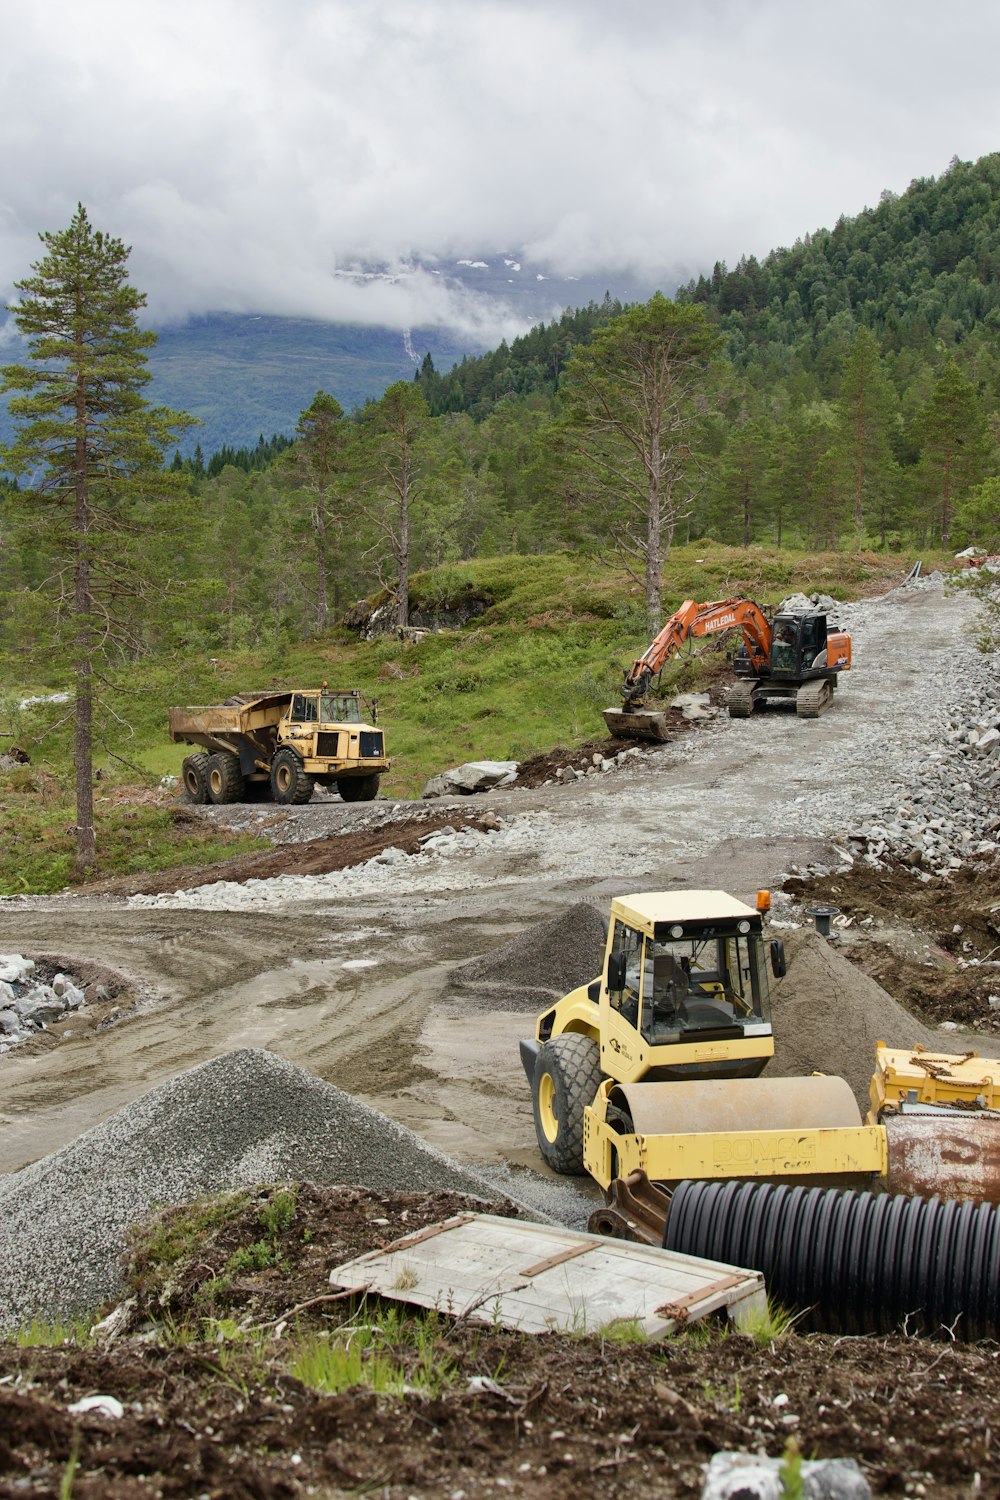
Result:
[[281, 744]]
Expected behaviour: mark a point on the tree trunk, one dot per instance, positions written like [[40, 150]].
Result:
[[86, 839], [322, 561], [654, 559], [403, 553]]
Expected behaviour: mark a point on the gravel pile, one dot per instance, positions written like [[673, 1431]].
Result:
[[949, 814], [545, 962], [245, 1118], [828, 1015]]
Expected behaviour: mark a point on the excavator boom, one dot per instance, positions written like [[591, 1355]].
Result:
[[792, 656], [691, 621]]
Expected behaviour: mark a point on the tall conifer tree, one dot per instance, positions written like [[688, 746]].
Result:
[[93, 449]]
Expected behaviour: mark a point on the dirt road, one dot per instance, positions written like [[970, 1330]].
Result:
[[733, 805]]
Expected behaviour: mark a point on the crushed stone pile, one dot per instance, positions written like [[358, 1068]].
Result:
[[245, 1118], [828, 1015], [547, 960]]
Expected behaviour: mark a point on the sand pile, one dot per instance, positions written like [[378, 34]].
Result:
[[543, 963], [828, 1015], [248, 1117]]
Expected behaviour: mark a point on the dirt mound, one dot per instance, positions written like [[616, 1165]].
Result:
[[931, 944], [547, 1417], [539, 769], [828, 1015], [319, 856], [545, 961], [245, 1118]]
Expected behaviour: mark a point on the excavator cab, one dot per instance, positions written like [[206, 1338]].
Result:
[[798, 645]]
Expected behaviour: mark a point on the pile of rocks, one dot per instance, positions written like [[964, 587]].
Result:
[[29, 1004], [599, 765], [949, 814]]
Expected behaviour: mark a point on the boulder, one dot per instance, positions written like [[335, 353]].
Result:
[[473, 776]]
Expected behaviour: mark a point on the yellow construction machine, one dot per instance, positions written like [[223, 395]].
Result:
[[683, 995], [648, 1076]]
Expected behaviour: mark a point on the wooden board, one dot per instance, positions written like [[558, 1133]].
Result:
[[539, 1278]]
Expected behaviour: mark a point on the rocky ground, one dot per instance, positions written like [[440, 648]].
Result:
[[886, 808]]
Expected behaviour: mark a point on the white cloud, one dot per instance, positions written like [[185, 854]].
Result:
[[248, 149]]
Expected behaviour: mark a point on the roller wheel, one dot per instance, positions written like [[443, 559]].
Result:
[[194, 777], [358, 788], [225, 779], [289, 782], [567, 1073]]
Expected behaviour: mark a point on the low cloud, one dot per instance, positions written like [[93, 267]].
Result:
[[254, 154]]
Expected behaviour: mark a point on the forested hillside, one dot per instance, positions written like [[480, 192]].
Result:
[[847, 396]]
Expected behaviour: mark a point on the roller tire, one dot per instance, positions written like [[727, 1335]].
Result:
[[567, 1073], [194, 778], [225, 779], [289, 782], [358, 788]]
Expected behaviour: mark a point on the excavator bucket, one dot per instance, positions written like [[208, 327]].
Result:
[[636, 724]]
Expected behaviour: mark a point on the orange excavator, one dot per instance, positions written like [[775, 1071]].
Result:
[[789, 655]]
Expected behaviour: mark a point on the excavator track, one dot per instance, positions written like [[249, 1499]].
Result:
[[813, 698], [740, 700]]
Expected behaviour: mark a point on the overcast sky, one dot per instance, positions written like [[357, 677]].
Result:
[[249, 149]]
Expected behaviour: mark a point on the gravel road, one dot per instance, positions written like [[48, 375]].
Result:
[[735, 804]]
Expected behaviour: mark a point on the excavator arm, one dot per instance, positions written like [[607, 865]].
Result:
[[690, 622]]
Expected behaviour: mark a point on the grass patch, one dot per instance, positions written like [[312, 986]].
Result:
[[391, 1353], [44, 1333], [38, 836]]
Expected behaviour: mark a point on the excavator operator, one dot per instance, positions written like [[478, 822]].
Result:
[[783, 650]]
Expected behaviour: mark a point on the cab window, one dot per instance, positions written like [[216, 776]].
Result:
[[628, 947], [341, 708], [303, 708]]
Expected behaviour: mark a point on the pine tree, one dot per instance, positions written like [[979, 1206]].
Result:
[[323, 460], [953, 436], [865, 414], [632, 397], [94, 449], [394, 429]]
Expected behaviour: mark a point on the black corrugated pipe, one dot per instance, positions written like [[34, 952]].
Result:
[[851, 1262]]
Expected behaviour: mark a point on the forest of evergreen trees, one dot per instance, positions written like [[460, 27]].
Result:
[[854, 402]]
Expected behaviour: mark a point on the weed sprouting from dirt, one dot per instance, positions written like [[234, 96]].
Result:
[[769, 1324], [391, 1353], [41, 1333]]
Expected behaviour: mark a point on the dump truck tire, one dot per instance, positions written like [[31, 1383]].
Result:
[[567, 1073], [225, 779], [194, 777], [358, 788], [289, 782]]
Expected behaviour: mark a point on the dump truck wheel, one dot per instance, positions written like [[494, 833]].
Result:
[[289, 782], [567, 1073], [225, 779], [194, 776], [358, 788]]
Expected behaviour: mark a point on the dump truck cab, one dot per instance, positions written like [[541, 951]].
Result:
[[684, 994]]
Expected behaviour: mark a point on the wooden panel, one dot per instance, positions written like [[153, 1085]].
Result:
[[539, 1278]]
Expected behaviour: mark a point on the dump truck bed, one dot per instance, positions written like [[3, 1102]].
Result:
[[244, 714]]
